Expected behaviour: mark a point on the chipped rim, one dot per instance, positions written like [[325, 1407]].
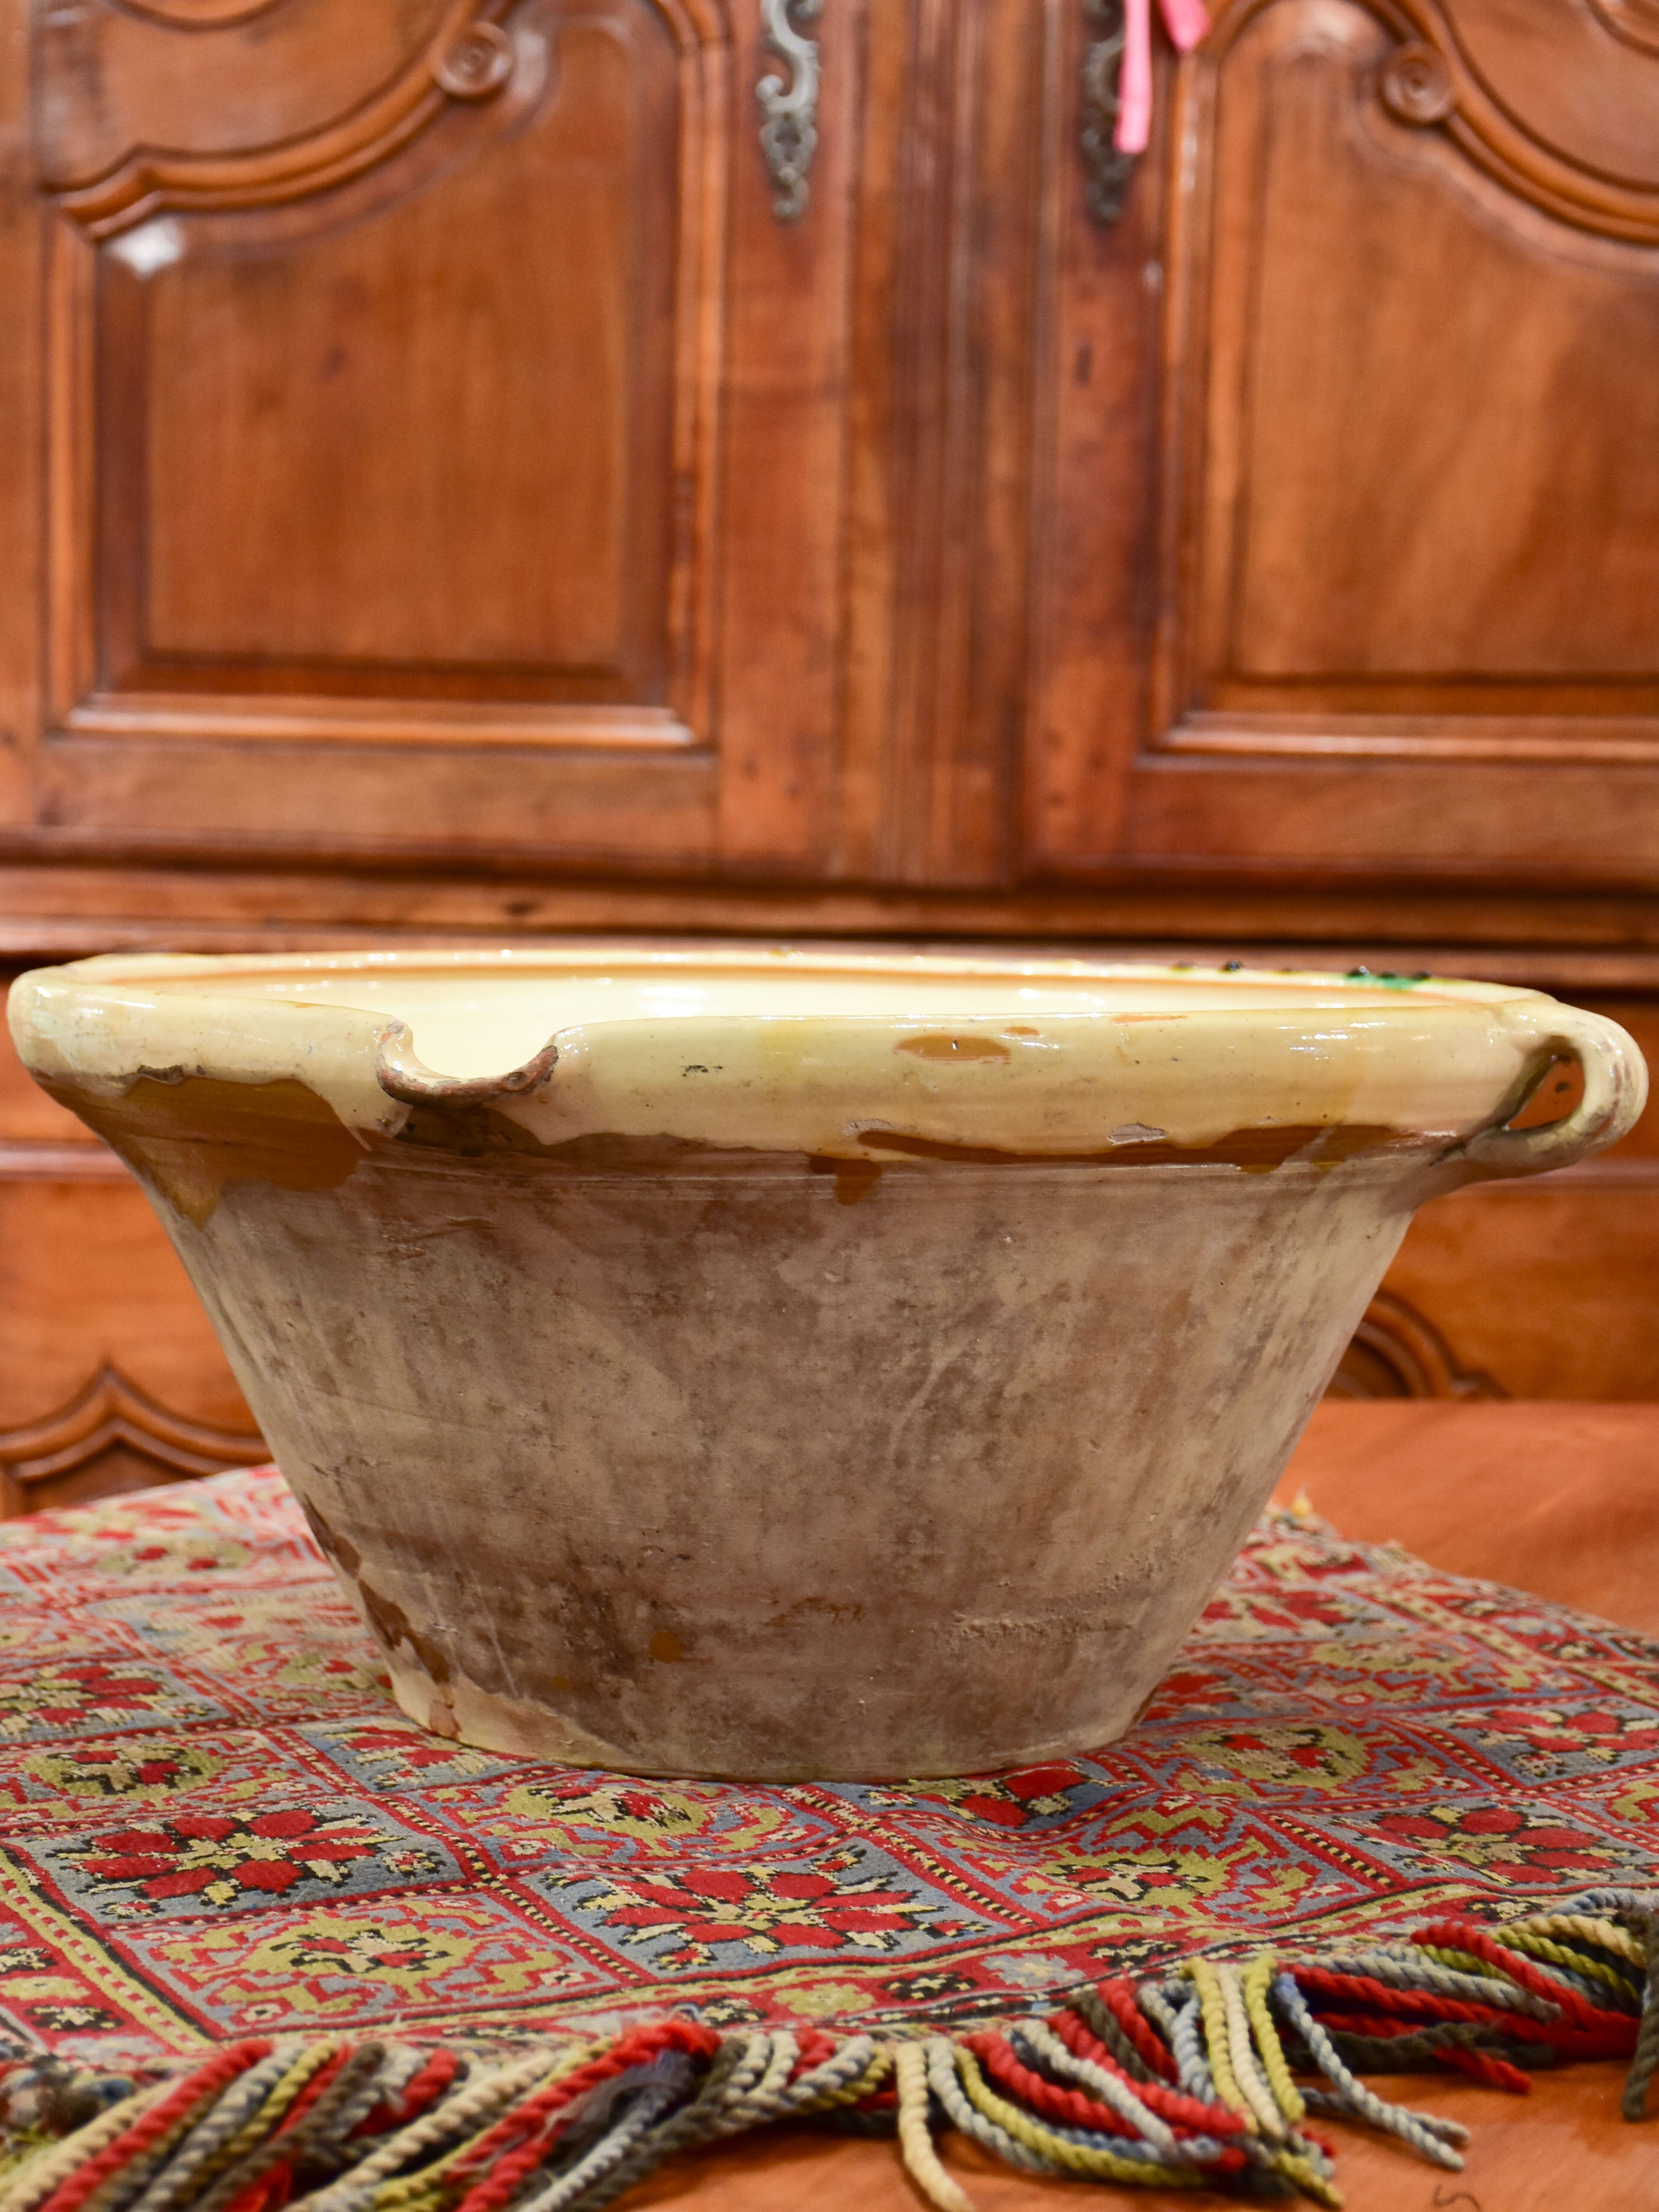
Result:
[[1428, 1063]]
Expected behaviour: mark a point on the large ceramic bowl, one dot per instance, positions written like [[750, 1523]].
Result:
[[729, 1361]]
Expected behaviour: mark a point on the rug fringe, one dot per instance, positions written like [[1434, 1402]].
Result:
[[1187, 2080]]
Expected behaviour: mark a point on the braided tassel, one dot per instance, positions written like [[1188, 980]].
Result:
[[1180, 2082]]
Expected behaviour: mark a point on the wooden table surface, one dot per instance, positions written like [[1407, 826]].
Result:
[[1559, 1498]]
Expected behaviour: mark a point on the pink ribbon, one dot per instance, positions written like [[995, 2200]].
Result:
[[1186, 22]]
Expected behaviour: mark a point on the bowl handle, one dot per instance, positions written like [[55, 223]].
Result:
[[1615, 1091]]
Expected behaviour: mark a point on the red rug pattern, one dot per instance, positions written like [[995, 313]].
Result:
[[215, 1823]]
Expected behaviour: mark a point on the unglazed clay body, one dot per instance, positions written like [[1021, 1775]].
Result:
[[778, 1364]]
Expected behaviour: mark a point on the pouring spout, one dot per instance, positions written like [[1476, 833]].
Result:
[[402, 1075]]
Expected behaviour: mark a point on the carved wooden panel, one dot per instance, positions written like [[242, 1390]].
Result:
[[1397, 1353], [1546, 1288], [1390, 518], [1406, 501], [414, 436], [414, 450], [112, 1437], [404, 363], [89, 1282], [430, 406], [111, 1376]]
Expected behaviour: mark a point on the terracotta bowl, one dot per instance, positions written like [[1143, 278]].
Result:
[[781, 1364]]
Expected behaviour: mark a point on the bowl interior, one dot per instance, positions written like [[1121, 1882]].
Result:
[[477, 1013]]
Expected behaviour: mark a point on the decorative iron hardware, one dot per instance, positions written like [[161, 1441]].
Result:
[[1106, 171], [789, 106]]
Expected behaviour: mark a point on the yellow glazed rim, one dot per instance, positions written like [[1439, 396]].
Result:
[[853, 1052]]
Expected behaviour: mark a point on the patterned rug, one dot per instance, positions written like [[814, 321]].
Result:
[[217, 1830]]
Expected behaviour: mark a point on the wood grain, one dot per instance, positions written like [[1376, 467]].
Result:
[[469, 416], [1354, 553], [110, 1438], [485, 350], [1551, 1290], [1296, 531], [221, 97], [73, 890], [1404, 561], [86, 1281], [1562, 2148], [21, 407], [1557, 1498]]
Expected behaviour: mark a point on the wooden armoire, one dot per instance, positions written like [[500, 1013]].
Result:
[[484, 470]]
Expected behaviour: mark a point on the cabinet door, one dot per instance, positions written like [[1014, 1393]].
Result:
[[1373, 581], [443, 449]]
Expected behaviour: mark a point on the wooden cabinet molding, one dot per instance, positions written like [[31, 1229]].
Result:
[[1574, 129], [67, 910], [110, 1375], [1397, 1353], [311, 615], [455, 463], [458, 468], [111, 1437], [1399, 290], [467, 56]]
